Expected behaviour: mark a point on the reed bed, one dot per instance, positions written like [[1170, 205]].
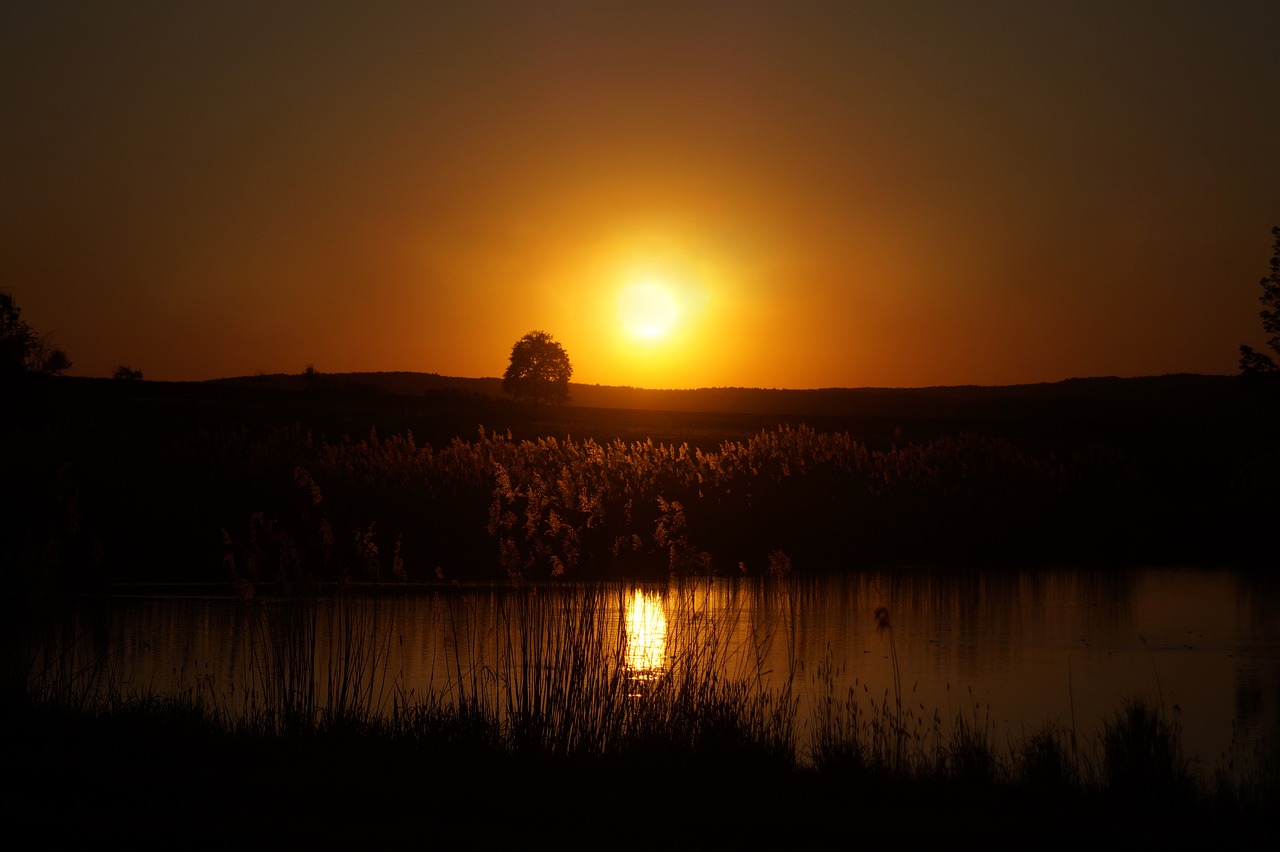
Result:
[[560, 679], [493, 508]]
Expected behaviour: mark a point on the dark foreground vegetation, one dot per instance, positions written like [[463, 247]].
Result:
[[556, 743], [152, 771], [135, 481]]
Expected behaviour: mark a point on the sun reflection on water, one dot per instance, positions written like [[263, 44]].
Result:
[[646, 634]]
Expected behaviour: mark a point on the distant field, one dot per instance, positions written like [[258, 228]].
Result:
[[439, 408], [1185, 395]]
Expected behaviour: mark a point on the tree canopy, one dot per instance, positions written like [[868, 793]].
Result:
[[22, 350], [1260, 362], [539, 370]]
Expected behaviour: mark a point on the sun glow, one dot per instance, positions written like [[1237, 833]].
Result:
[[648, 310]]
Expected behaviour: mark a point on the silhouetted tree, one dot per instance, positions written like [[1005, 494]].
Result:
[[311, 376], [1259, 362], [53, 362], [16, 337], [539, 370], [21, 349], [126, 373]]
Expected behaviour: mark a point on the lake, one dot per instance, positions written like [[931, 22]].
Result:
[[1013, 650]]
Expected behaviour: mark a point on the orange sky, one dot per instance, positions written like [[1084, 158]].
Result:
[[831, 194]]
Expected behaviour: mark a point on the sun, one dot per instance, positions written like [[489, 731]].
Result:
[[648, 310]]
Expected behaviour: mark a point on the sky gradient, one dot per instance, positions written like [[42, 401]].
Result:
[[828, 194]]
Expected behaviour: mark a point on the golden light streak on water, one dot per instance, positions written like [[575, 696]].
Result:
[[646, 633]]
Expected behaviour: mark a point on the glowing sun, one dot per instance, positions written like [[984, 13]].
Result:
[[648, 310]]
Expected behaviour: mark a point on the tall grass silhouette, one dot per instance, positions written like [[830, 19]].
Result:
[[554, 679], [493, 507]]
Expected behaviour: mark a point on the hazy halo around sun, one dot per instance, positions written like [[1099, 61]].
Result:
[[648, 310]]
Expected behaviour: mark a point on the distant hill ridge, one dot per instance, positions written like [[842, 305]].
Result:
[[1184, 396]]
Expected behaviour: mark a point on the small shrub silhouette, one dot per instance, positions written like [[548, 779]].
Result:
[[1142, 754]]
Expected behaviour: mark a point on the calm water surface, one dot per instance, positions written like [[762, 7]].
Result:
[[1016, 649]]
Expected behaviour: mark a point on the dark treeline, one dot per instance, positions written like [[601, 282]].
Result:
[[126, 481]]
